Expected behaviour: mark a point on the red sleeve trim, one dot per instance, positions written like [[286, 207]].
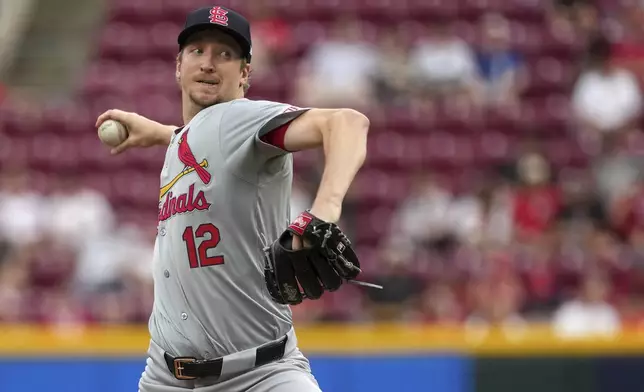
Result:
[[276, 136]]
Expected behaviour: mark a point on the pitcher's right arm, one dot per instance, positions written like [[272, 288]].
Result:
[[142, 132]]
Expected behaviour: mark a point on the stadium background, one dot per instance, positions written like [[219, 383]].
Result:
[[501, 202]]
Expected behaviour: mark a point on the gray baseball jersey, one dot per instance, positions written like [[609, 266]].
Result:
[[224, 195]]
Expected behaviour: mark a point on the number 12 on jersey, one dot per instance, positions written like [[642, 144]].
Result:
[[198, 256]]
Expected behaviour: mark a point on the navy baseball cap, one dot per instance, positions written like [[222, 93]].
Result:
[[221, 18]]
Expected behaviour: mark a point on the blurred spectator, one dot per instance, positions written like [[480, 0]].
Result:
[[495, 295], [579, 16], [57, 307], [51, 264], [401, 291], [422, 218], [76, 213], [581, 209], [104, 262], [301, 199], [309, 313], [608, 255], [483, 218], [112, 307], [589, 314], [633, 302], [595, 113], [628, 50], [627, 212], [337, 71], [540, 269], [137, 254], [500, 76], [616, 174], [5, 250], [272, 38], [537, 199], [443, 64], [22, 211], [14, 279], [440, 304], [392, 76], [15, 20]]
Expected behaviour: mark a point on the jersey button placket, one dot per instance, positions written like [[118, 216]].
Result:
[[184, 316], [166, 273]]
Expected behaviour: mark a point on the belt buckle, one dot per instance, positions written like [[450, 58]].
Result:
[[178, 368]]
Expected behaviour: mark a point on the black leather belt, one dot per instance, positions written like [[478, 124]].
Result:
[[188, 368]]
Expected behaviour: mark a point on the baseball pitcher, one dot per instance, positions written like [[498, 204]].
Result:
[[227, 263]]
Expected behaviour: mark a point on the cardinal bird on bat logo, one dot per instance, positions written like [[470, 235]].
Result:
[[187, 157], [192, 200]]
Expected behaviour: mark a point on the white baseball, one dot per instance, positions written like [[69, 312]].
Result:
[[112, 133]]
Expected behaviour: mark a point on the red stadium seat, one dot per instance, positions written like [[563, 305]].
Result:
[[412, 31], [385, 148], [525, 10], [330, 9], [634, 144], [441, 149], [124, 41], [527, 38], [400, 119], [308, 33], [383, 10], [472, 9], [162, 38], [565, 151], [548, 75], [432, 8], [494, 148], [98, 182], [373, 226], [291, 9], [14, 151]]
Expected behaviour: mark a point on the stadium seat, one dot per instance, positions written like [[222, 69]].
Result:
[[548, 75], [432, 9], [290, 9], [492, 148], [14, 151], [383, 9], [474, 8], [162, 38]]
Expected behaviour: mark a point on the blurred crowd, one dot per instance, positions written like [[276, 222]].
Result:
[[551, 230], [66, 258]]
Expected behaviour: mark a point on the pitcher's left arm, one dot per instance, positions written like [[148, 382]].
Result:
[[342, 133], [314, 253]]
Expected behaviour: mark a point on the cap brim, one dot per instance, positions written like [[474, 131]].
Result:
[[184, 36]]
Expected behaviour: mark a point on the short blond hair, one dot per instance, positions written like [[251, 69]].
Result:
[[246, 85]]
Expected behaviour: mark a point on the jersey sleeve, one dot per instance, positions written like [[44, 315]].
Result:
[[276, 137], [244, 133]]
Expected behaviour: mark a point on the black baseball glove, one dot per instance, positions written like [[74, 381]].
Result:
[[326, 261]]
